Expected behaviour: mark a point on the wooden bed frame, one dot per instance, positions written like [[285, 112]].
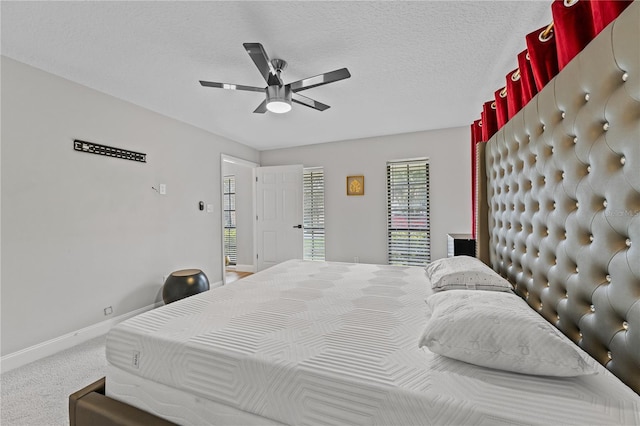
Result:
[[560, 217], [90, 406]]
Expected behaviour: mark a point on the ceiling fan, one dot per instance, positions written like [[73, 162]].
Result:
[[278, 95]]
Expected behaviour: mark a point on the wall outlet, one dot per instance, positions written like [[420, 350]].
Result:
[[163, 189], [356, 259], [108, 310]]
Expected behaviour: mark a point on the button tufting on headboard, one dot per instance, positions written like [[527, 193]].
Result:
[[563, 177]]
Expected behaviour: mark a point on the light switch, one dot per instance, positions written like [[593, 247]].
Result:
[[163, 189]]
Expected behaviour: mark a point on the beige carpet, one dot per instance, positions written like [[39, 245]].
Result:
[[37, 393]]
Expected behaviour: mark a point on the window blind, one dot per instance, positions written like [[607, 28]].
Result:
[[313, 213], [408, 223], [229, 196]]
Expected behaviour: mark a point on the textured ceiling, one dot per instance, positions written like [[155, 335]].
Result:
[[414, 65]]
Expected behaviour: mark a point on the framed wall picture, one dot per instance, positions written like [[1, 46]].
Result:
[[355, 185]]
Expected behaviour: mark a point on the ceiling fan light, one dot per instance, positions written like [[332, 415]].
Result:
[[278, 99], [278, 107]]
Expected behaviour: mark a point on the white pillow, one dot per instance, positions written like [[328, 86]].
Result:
[[500, 330], [464, 272]]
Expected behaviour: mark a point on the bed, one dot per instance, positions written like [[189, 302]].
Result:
[[335, 343], [331, 343]]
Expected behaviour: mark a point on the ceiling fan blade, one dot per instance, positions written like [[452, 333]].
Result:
[[262, 61], [232, 86], [262, 108], [303, 100], [319, 80]]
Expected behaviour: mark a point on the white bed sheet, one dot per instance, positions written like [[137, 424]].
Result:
[[333, 343]]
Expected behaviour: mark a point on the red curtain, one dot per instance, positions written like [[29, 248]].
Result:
[[543, 55], [529, 88], [476, 133], [514, 93], [489, 120], [502, 113], [573, 26], [605, 11]]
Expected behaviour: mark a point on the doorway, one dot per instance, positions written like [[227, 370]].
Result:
[[238, 216]]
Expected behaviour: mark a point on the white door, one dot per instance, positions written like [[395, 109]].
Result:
[[279, 214]]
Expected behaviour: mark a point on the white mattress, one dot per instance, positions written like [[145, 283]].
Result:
[[330, 343]]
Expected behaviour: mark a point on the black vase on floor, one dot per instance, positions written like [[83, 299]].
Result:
[[184, 283]]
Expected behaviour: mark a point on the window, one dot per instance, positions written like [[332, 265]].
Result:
[[313, 213], [408, 212], [229, 195]]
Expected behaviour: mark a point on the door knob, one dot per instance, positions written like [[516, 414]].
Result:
[[297, 226]]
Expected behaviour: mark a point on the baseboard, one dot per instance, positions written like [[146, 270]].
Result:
[[50, 347], [245, 268]]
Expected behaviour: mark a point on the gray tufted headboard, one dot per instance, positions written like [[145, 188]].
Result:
[[563, 199]]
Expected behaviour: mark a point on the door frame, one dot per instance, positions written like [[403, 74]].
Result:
[[225, 158]]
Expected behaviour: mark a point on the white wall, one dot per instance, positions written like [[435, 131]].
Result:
[[82, 232], [244, 213], [357, 225]]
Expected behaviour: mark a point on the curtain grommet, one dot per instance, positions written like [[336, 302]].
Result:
[[545, 37]]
